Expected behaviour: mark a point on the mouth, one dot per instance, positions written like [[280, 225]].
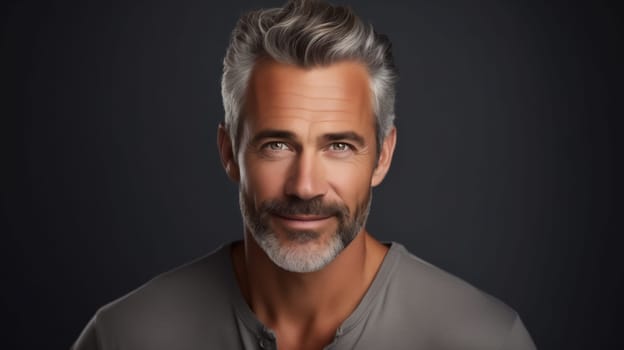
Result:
[[303, 217], [302, 221]]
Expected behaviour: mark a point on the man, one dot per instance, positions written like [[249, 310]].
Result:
[[308, 91]]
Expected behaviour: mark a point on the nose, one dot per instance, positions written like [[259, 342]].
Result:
[[307, 177]]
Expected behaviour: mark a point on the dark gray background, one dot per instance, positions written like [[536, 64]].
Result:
[[507, 173]]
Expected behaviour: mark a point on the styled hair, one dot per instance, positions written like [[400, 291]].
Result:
[[307, 33]]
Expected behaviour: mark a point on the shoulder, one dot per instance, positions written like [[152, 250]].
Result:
[[451, 312], [188, 300], [178, 289], [422, 282]]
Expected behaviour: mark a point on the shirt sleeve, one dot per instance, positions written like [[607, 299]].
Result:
[[88, 339], [518, 338]]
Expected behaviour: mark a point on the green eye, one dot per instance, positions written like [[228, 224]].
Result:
[[340, 147], [277, 146]]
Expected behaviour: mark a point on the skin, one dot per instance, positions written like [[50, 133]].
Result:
[[307, 133]]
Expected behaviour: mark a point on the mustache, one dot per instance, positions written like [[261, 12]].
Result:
[[297, 206]]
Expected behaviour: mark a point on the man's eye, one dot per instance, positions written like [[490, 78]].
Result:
[[340, 147], [277, 146]]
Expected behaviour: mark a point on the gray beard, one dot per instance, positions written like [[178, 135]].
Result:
[[305, 251]]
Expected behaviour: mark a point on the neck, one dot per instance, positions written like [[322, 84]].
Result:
[[317, 301]]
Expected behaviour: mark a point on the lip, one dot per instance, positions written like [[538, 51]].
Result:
[[302, 222]]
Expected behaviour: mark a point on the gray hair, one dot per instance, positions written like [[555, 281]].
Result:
[[307, 33]]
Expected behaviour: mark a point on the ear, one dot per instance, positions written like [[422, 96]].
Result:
[[385, 158], [228, 160]]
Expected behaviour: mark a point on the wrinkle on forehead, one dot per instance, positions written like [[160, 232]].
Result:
[[287, 103], [281, 89], [331, 97]]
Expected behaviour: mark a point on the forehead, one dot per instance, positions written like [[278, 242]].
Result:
[[336, 94]]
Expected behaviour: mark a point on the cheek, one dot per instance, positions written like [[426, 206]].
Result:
[[264, 179], [351, 183]]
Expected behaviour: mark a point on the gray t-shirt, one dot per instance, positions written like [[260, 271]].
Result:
[[410, 305]]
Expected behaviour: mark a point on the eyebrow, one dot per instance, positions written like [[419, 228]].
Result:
[[273, 134], [347, 136]]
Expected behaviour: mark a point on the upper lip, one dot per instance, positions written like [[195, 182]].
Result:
[[303, 217]]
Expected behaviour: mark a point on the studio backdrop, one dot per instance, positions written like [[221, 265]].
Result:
[[506, 172]]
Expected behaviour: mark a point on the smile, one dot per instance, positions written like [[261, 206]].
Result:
[[302, 222]]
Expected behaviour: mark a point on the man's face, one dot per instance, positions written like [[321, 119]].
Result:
[[306, 159]]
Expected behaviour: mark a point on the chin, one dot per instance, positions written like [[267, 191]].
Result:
[[301, 252]]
